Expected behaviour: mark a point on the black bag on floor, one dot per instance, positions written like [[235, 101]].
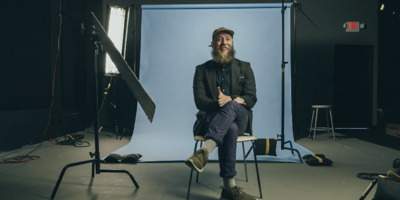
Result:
[[317, 160], [265, 146], [117, 158]]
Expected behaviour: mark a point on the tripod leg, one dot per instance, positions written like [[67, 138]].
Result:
[[93, 164], [291, 146], [63, 172], [122, 171], [292, 149], [299, 155]]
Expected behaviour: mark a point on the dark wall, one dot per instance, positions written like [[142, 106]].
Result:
[[26, 68], [29, 46], [389, 59], [319, 28], [24, 48], [45, 67]]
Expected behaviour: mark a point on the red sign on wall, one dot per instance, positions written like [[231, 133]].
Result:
[[352, 26]]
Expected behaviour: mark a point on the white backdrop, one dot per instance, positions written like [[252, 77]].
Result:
[[175, 39]]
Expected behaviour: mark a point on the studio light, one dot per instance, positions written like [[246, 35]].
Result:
[[116, 30]]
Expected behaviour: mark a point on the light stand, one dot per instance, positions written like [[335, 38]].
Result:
[[283, 64], [103, 41], [96, 161]]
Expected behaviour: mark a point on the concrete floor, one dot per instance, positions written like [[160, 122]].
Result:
[[168, 181]]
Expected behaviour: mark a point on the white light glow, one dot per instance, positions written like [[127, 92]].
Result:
[[116, 29]]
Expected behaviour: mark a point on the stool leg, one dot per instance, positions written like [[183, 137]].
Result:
[[315, 122], [327, 120], [333, 128], [312, 119]]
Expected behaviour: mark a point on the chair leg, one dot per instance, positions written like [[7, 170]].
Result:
[[197, 177], [191, 174], [197, 173], [190, 184], [245, 163], [256, 164]]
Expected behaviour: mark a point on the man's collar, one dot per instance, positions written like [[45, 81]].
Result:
[[227, 65]]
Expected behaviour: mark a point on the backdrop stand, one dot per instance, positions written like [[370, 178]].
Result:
[[96, 161], [281, 137]]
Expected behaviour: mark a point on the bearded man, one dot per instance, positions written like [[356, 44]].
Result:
[[225, 89]]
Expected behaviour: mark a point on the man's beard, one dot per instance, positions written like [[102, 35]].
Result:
[[223, 59]]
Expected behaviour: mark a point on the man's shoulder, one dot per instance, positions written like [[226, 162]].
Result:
[[241, 62], [206, 64], [209, 62]]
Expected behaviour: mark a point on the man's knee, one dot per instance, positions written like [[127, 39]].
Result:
[[233, 133], [232, 104], [231, 107], [233, 128]]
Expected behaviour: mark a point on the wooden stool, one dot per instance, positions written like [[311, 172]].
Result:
[[329, 120]]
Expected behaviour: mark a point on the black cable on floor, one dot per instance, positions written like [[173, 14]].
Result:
[[73, 140], [369, 176]]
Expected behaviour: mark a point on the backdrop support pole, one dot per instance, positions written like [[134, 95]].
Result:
[[283, 65]]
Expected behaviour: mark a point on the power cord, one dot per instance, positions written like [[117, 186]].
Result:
[[73, 140]]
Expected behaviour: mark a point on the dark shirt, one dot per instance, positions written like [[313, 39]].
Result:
[[224, 79]]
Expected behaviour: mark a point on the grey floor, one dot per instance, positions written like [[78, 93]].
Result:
[[36, 179]]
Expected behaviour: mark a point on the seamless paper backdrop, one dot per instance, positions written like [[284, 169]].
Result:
[[175, 39]]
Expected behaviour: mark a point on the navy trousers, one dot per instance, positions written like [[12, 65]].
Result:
[[225, 126]]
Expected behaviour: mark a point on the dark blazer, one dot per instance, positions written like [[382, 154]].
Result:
[[242, 85]]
